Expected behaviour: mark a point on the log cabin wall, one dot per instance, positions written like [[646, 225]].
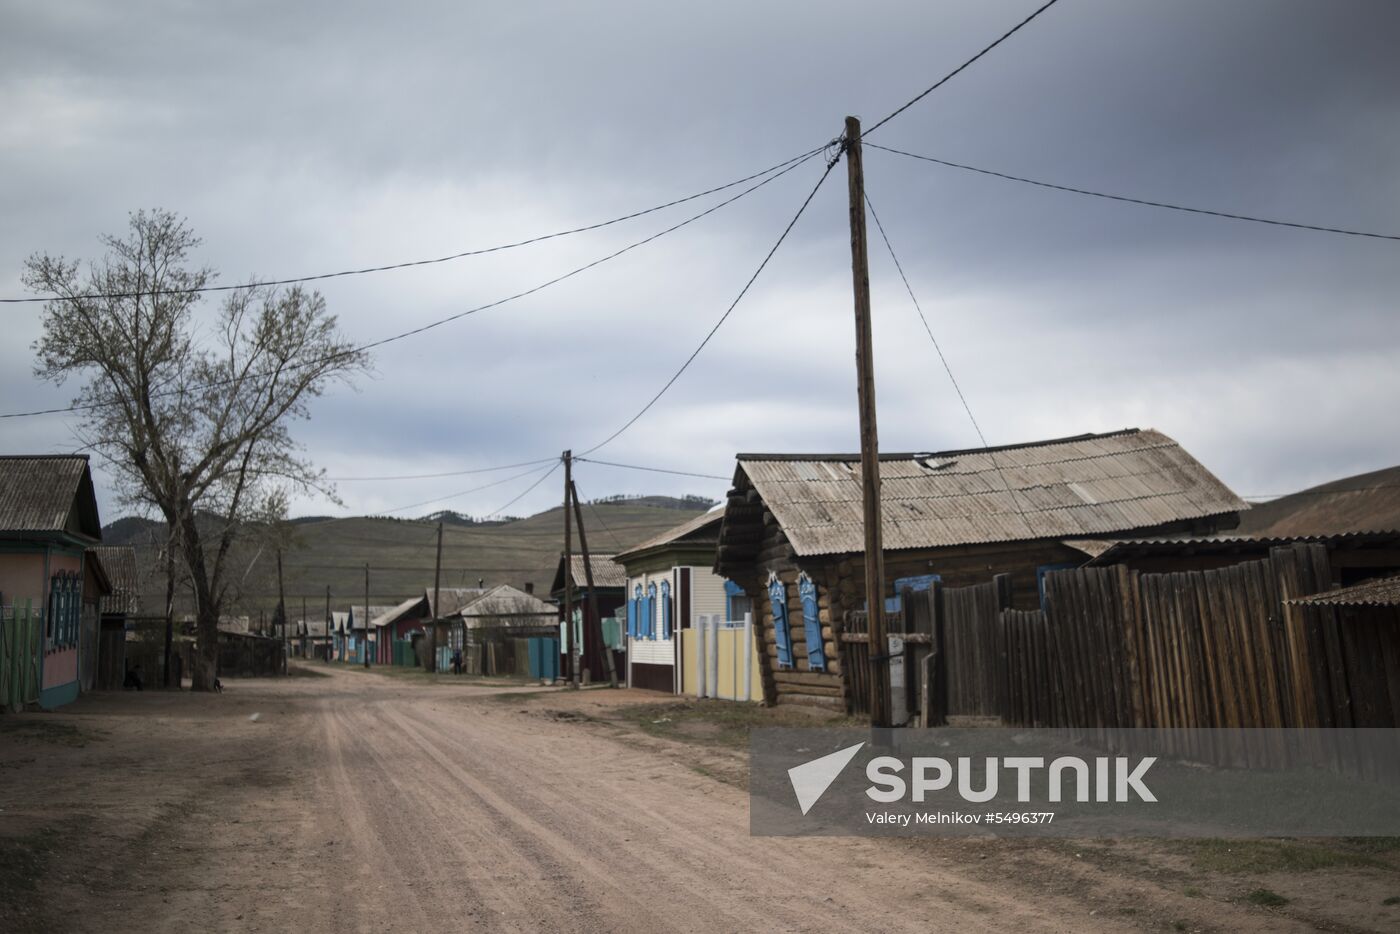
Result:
[[757, 546]]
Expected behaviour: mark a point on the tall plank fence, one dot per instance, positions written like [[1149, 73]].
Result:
[[20, 632], [1116, 648]]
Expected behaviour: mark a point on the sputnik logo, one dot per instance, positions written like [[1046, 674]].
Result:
[[810, 780]]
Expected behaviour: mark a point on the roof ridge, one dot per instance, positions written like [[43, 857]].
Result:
[[1048, 442]]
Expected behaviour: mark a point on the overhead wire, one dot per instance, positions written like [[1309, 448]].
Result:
[[724, 317], [449, 473], [316, 277], [527, 491], [454, 317], [956, 71], [1015, 500], [1128, 199], [678, 473]]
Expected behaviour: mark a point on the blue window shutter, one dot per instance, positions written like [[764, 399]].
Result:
[[665, 610], [632, 617], [650, 620], [777, 600], [811, 623]]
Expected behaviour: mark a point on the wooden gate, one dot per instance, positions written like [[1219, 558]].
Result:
[[20, 632]]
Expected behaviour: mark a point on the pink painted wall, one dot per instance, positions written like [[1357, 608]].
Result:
[[22, 578], [60, 667]]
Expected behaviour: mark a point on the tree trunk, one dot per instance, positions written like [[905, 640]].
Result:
[[206, 658]]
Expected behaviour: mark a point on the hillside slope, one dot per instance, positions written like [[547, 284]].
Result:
[[1367, 502], [333, 553]]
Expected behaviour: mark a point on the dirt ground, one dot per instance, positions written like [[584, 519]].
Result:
[[341, 800]]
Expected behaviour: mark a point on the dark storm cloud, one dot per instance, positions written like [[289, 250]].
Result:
[[303, 138]]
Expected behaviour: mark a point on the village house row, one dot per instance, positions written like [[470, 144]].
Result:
[[746, 602]]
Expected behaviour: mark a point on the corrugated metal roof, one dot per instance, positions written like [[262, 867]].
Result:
[[606, 571], [1383, 591], [689, 527], [373, 611], [452, 599], [505, 600], [1089, 485], [37, 493], [394, 614], [119, 561], [1117, 549]]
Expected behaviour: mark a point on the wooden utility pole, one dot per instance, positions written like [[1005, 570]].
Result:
[[437, 595], [869, 437], [282, 609], [169, 607], [575, 650], [364, 643], [305, 630], [330, 639], [592, 591]]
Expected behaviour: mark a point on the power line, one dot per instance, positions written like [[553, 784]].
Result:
[[450, 318], [417, 262], [428, 502], [1015, 500], [1142, 201], [614, 538], [497, 512], [450, 473], [724, 317], [954, 73], [678, 473]]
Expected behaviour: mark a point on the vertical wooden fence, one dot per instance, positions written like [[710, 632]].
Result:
[[20, 632]]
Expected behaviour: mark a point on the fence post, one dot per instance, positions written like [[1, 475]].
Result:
[[748, 648], [935, 692]]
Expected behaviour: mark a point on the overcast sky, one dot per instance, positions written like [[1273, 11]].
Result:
[[303, 138]]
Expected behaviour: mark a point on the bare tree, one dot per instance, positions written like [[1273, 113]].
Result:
[[191, 415]]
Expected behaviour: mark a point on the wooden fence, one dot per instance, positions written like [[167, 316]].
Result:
[[1116, 648]]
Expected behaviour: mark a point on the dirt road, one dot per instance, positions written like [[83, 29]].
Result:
[[356, 802]]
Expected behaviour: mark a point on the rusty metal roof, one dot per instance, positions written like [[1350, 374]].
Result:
[[48, 493], [1384, 591], [119, 561], [707, 522], [1088, 485]]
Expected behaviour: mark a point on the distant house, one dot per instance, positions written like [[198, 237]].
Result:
[[340, 635], [503, 614], [793, 538], [670, 583], [107, 669], [49, 576], [359, 631], [610, 583], [394, 631]]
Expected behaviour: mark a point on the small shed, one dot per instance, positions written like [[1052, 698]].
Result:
[[114, 609], [793, 533], [394, 631]]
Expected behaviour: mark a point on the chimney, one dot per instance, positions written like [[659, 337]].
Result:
[[530, 587]]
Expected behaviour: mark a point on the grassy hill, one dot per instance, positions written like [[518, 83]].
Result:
[[333, 552], [1367, 502]]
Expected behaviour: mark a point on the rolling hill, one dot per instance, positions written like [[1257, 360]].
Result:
[[333, 553]]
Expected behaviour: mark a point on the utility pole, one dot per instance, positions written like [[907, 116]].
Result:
[[437, 582], [305, 630], [282, 609], [869, 437], [575, 650], [592, 592], [169, 606], [330, 639], [364, 645]]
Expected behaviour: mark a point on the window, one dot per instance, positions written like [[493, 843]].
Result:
[[811, 623], [665, 610], [736, 602], [777, 601], [649, 613], [918, 584], [65, 605]]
